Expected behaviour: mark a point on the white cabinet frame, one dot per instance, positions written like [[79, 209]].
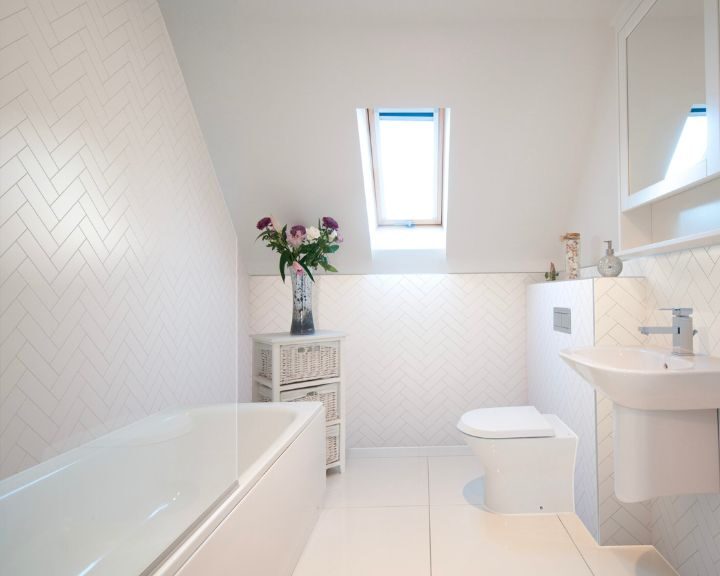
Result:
[[702, 172]]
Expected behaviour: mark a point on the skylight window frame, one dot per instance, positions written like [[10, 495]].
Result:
[[373, 119]]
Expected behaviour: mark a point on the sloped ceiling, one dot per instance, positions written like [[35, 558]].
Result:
[[276, 84]]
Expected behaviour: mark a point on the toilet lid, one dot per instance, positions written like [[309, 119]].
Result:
[[505, 422]]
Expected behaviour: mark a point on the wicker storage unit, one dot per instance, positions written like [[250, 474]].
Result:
[[304, 369], [332, 445]]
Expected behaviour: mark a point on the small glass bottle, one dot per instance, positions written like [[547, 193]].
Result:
[[610, 265]]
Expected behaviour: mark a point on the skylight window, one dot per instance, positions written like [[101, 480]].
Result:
[[407, 164], [404, 154], [691, 147]]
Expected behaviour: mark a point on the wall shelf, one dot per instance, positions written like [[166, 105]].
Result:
[[665, 246], [661, 191]]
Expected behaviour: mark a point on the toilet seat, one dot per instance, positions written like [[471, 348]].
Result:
[[506, 422]]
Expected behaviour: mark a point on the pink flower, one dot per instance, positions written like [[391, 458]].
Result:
[[296, 266], [296, 235], [263, 223]]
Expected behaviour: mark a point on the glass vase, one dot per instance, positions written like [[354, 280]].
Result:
[[302, 317]]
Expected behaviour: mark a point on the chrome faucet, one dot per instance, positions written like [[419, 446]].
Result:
[[681, 330]]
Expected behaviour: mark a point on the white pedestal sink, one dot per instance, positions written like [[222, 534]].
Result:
[[666, 418]]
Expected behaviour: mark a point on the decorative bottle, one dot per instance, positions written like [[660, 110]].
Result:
[[572, 254], [610, 265]]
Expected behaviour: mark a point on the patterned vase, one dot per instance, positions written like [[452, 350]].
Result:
[[302, 318], [572, 254]]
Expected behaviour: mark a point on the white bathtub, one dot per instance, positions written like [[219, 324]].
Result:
[[210, 490]]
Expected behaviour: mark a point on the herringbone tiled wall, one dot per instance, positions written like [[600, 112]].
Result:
[[117, 254], [554, 388], [421, 349], [686, 529], [620, 307], [605, 311]]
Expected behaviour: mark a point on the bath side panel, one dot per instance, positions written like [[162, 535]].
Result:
[[266, 532]]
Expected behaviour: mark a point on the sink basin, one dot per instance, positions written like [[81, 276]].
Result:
[[649, 378]]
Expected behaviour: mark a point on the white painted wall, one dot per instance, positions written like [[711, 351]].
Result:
[[595, 202], [276, 90]]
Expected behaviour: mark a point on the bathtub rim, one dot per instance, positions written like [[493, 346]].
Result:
[[183, 547]]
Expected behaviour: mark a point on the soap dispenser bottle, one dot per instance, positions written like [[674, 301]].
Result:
[[610, 265]]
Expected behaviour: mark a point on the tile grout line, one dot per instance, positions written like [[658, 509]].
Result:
[[576, 546]]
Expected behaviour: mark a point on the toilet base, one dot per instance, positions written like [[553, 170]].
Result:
[[529, 475]]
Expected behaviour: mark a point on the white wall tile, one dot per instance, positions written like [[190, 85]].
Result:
[[421, 349], [117, 253], [686, 529], [555, 388], [606, 311], [620, 307]]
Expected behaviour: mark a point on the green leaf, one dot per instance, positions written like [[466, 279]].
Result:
[[333, 248], [283, 260], [307, 270], [330, 268]]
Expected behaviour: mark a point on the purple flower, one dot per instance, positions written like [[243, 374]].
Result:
[[264, 223], [329, 222], [296, 235]]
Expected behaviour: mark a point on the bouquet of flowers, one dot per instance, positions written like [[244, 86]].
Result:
[[303, 249]]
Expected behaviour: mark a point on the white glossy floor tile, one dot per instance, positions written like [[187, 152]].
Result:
[[615, 560], [368, 542], [455, 480], [404, 516], [468, 541], [379, 482]]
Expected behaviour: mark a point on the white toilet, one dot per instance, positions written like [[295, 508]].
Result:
[[528, 457]]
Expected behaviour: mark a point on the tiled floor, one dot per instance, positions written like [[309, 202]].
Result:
[[423, 517]]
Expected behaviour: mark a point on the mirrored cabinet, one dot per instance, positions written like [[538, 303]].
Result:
[[669, 79]]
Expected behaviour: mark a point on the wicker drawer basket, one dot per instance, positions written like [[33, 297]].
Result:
[[327, 394], [300, 363], [309, 362], [332, 444]]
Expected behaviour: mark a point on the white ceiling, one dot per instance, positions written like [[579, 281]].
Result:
[[275, 86]]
